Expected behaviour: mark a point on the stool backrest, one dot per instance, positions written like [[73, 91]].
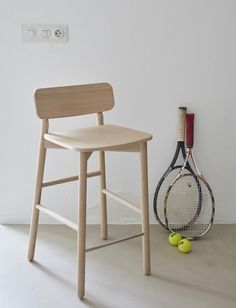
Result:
[[69, 101]]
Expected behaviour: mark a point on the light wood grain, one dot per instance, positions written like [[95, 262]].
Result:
[[75, 100], [102, 137], [50, 145], [103, 199], [79, 100], [81, 237], [122, 200], [123, 239], [69, 179], [37, 192], [58, 217], [127, 148], [145, 209]]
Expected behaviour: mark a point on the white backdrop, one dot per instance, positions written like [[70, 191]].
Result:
[[158, 55]]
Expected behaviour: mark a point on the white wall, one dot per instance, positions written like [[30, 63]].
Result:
[[157, 55]]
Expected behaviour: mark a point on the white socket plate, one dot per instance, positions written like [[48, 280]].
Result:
[[44, 33]]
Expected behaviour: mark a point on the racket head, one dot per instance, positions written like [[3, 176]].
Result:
[[189, 206], [160, 193], [172, 171]]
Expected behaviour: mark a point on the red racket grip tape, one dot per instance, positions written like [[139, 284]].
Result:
[[189, 130]]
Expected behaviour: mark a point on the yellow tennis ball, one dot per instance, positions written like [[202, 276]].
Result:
[[174, 238], [184, 246]]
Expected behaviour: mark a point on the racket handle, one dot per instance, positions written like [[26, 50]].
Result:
[[189, 130], [181, 124]]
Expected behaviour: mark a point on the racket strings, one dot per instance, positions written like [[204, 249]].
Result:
[[189, 206], [168, 179]]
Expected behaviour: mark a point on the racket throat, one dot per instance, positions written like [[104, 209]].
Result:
[[190, 155], [189, 151]]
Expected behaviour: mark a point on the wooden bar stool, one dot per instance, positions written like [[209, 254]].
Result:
[[78, 100]]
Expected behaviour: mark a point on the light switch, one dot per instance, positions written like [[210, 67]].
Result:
[[45, 33]]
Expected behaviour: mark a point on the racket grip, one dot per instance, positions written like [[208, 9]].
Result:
[[181, 123], [189, 130]]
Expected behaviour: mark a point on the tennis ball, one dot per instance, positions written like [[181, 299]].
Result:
[[174, 238], [184, 246]]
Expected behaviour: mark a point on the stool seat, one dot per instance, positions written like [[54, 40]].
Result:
[[97, 138]]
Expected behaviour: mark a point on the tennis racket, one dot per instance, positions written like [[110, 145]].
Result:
[[189, 205], [172, 171]]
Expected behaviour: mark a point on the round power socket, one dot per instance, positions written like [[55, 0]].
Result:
[[58, 33]]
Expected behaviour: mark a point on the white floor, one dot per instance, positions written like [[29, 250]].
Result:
[[204, 278]]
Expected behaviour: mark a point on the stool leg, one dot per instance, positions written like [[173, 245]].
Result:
[[103, 203], [81, 237], [145, 209], [37, 192]]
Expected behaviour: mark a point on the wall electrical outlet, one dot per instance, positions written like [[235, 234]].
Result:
[[44, 33], [59, 33]]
